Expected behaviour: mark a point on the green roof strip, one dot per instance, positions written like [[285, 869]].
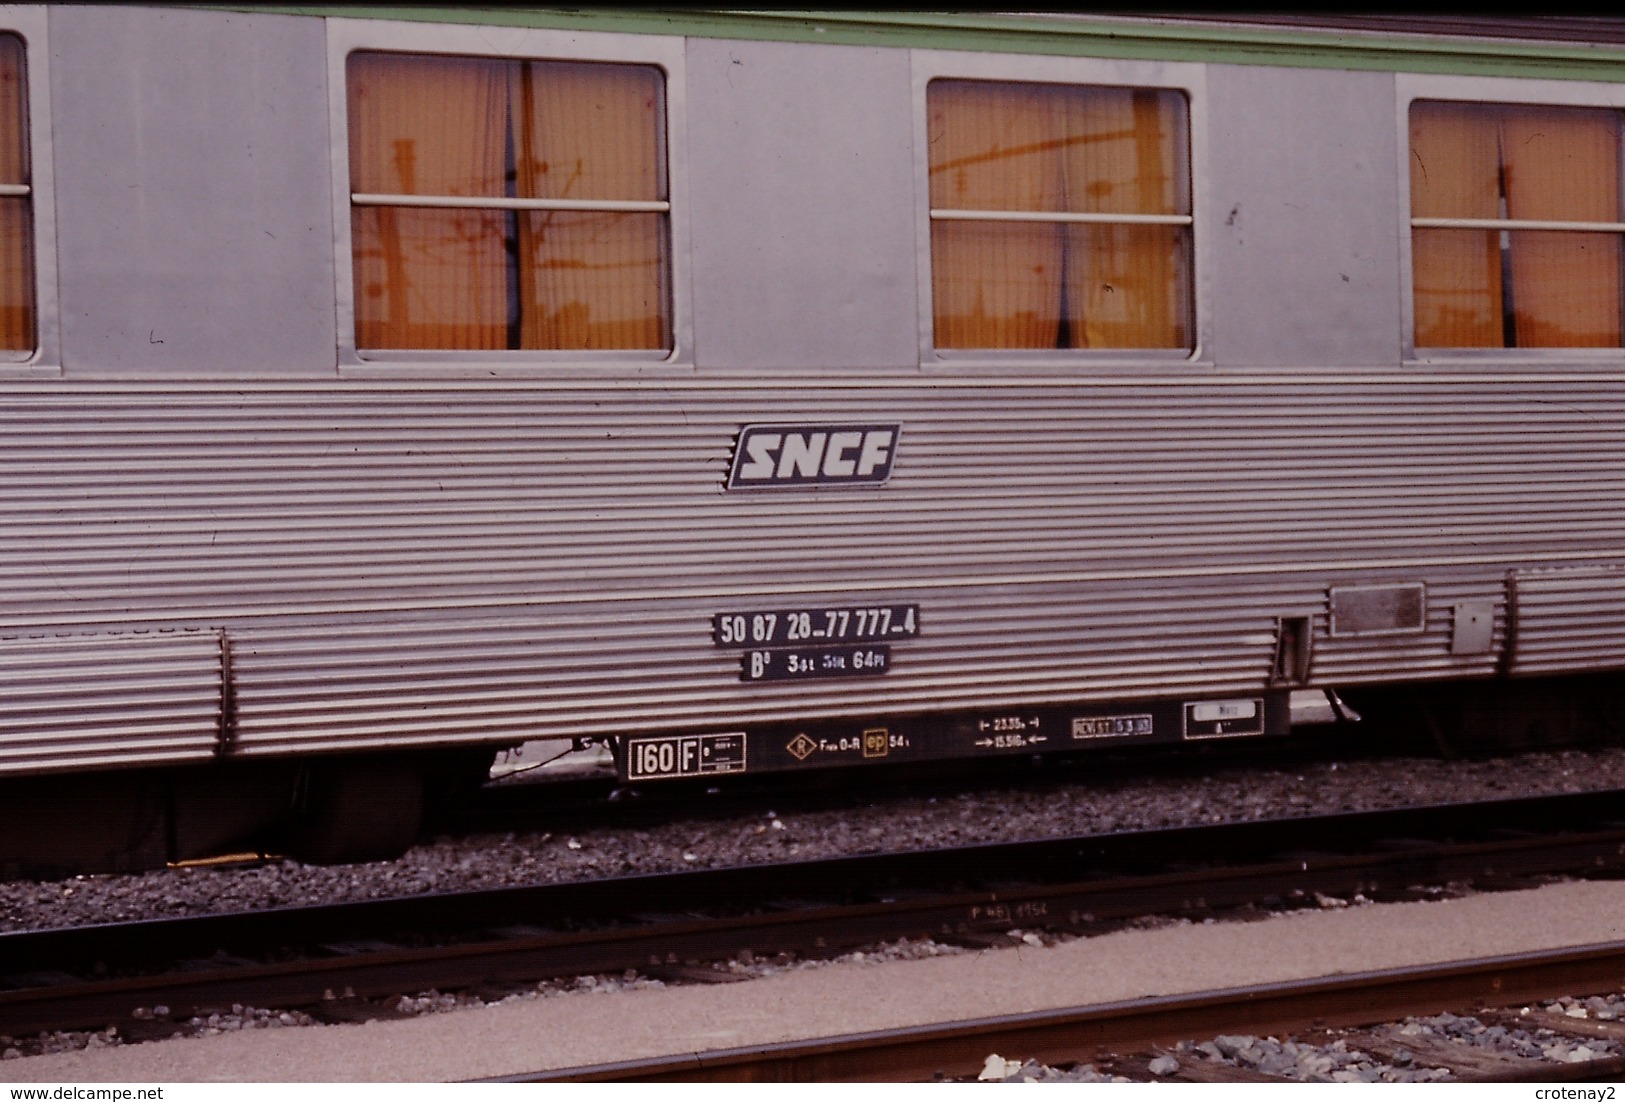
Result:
[[1140, 38]]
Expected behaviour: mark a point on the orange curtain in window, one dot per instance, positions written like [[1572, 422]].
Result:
[[1456, 274], [1028, 147], [1564, 164], [589, 279], [17, 331], [428, 278], [1125, 285], [994, 284]]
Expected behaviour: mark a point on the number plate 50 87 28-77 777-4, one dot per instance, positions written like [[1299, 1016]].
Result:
[[815, 626]]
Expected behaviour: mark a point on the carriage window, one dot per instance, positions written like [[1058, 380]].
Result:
[[1515, 226], [505, 204], [17, 321], [1060, 216]]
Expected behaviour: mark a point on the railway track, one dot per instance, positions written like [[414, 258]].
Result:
[[1128, 1037], [91, 977]]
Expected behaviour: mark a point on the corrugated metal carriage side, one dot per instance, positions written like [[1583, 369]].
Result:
[[760, 392]]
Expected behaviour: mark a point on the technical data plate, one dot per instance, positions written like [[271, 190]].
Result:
[[803, 663], [974, 735], [672, 756]]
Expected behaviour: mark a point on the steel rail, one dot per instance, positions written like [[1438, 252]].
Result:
[[1084, 858], [519, 935], [1074, 1034]]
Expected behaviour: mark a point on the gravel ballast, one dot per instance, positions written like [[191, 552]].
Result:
[[1343, 1060], [1122, 802], [593, 1023]]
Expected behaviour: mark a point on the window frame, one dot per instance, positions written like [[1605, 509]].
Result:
[[1187, 78], [1490, 92], [347, 36], [29, 23]]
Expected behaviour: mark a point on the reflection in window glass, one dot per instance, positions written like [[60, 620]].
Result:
[[508, 204], [1516, 221], [1060, 216]]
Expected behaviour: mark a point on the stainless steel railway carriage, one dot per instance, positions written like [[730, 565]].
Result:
[[760, 391]]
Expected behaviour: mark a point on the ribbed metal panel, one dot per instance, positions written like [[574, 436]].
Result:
[[571, 671], [103, 700], [1569, 620], [485, 561]]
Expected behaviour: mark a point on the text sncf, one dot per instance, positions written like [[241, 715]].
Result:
[[789, 455]]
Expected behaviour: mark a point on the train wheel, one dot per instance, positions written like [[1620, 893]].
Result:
[[456, 775], [357, 809], [1481, 718], [58, 826]]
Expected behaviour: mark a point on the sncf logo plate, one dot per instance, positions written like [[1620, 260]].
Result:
[[813, 455]]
